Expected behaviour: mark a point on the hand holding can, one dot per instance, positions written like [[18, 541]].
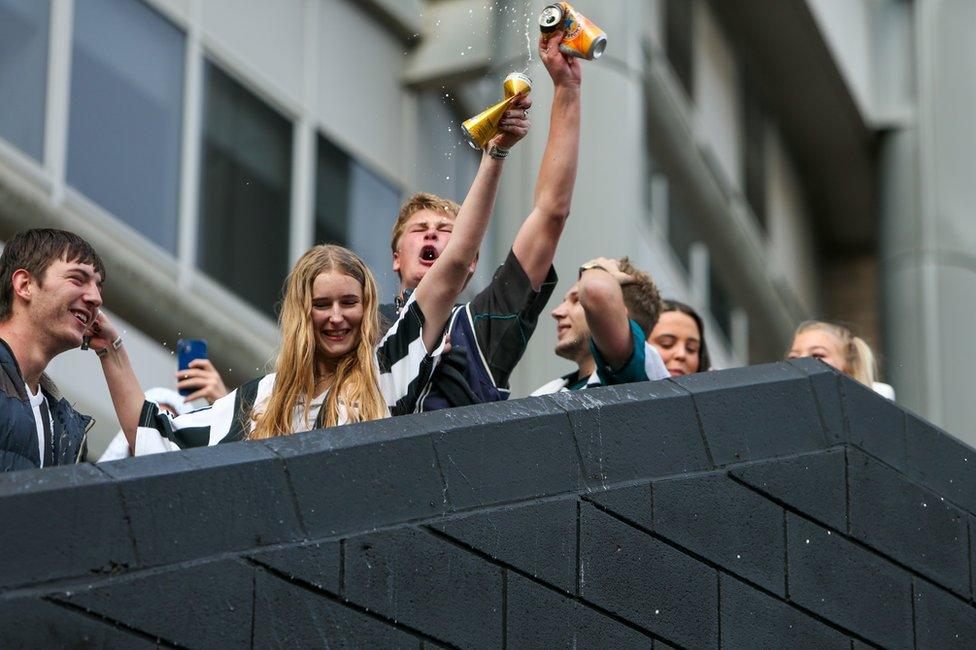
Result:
[[481, 128], [581, 37]]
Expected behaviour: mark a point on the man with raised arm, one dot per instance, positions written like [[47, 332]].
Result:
[[50, 294], [602, 326], [341, 315], [488, 335]]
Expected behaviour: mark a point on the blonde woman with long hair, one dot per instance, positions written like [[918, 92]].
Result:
[[837, 346], [332, 367]]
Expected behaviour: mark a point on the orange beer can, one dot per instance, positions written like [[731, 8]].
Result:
[[582, 38], [481, 128]]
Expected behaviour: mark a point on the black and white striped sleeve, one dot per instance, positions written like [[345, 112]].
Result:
[[405, 365], [159, 431]]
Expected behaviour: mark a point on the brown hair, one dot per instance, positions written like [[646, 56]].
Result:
[[416, 203], [355, 384], [704, 360], [34, 251], [858, 358], [642, 298]]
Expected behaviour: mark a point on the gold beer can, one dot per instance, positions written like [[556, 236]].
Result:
[[581, 37], [481, 128]]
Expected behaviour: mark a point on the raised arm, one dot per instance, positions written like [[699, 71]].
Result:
[[123, 385], [535, 243], [440, 287], [602, 298]]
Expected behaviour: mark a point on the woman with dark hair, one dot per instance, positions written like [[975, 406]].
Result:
[[679, 336]]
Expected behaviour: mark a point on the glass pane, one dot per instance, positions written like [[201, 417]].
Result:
[[23, 73], [681, 231], [245, 186], [373, 207], [126, 114], [679, 26], [356, 208], [331, 194], [720, 303]]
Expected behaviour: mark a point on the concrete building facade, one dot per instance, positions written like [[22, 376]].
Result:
[[766, 161]]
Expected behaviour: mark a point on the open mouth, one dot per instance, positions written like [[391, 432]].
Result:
[[428, 254], [335, 335], [81, 315]]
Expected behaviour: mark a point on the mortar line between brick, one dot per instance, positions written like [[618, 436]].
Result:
[[909, 479], [717, 567], [342, 568], [969, 550], [786, 555], [701, 425], [845, 416], [718, 618], [847, 490], [343, 602], [820, 413], [911, 585], [291, 492], [556, 590], [254, 603], [445, 492], [842, 535], [579, 546], [107, 620], [125, 513], [504, 609]]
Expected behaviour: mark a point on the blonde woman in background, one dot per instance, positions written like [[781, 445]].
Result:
[[837, 346]]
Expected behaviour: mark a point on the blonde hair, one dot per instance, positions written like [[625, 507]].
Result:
[[355, 384], [858, 358], [416, 203]]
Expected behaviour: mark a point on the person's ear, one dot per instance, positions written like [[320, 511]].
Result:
[[21, 281]]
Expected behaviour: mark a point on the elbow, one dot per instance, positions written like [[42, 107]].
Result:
[[554, 211], [596, 293]]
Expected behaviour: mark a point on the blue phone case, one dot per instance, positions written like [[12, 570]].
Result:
[[186, 351]]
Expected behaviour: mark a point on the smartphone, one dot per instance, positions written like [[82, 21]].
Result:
[[186, 351]]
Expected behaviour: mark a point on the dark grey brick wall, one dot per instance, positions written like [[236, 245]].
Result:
[[773, 506]]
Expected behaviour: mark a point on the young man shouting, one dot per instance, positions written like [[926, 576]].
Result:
[[488, 335]]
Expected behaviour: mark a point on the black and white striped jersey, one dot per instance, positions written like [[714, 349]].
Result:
[[403, 365]]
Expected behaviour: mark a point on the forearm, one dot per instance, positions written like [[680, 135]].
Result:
[[557, 173], [602, 300], [439, 289], [535, 244], [473, 217], [123, 386]]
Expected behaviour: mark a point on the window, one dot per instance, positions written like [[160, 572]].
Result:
[[245, 191], [356, 208], [753, 145], [125, 119], [23, 73], [679, 26], [719, 302], [681, 232]]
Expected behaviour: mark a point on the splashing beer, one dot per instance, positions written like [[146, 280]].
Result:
[[581, 37], [482, 127]]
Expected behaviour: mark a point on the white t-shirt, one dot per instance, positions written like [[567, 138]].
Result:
[[36, 401]]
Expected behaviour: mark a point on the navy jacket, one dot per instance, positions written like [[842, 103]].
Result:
[[18, 432]]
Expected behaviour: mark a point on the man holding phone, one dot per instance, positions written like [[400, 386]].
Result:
[[50, 294]]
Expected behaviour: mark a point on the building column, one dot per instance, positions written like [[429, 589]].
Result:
[[928, 199]]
